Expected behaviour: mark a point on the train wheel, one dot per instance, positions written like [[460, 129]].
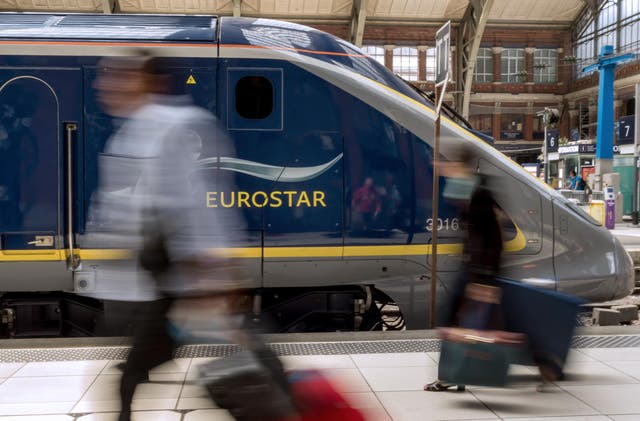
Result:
[[384, 314]]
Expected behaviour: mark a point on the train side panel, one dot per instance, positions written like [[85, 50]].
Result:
[[41, 130]]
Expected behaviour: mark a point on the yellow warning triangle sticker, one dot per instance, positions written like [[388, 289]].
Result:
[[191, 80]]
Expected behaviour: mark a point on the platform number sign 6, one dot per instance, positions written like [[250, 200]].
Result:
[[552, 141]]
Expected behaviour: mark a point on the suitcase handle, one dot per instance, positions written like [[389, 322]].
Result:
[[477, 338]]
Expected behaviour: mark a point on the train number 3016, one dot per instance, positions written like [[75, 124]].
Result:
[[447, 224]]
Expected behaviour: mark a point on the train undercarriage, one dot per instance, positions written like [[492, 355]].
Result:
[[344, 308]]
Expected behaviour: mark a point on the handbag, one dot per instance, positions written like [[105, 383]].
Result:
[[153, 256], [478, 357], [479, 352]]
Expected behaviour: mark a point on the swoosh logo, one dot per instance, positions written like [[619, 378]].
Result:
[[268, 172]]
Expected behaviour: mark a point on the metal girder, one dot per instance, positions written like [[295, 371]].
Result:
[[356, 25], [470, 33], [236, 8], [593, 5], [110, 6]]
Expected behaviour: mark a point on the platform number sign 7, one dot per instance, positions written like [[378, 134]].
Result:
[[552, 141], [443, 42], [626, 129]]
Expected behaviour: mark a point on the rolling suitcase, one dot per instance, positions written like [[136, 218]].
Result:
[[317, 400], [247, 386], [253, 386], [548, 318]]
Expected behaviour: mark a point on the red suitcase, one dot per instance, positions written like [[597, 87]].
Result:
[[316, 399]]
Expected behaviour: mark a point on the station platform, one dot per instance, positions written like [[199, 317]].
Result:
[[628, 234], [68, 379]]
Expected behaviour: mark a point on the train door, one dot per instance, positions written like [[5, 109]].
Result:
[[195, 85], [40, 122], [289, 169]]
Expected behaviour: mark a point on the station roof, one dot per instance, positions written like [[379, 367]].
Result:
[[325, 11]]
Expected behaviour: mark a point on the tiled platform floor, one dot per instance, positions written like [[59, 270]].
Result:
[[602, 384]]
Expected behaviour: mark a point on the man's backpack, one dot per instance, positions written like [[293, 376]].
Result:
[[582, 185], [585, 187]]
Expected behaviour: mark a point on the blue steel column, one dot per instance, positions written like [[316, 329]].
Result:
[[604, 133]]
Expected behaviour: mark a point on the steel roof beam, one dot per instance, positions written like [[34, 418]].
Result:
[[594, 5], [468, 41], [356, 25], [236, 8], [110, 6]]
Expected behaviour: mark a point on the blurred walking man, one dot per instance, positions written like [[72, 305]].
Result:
[[147, 202]]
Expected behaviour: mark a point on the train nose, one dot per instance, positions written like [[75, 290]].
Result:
[[625, 272]]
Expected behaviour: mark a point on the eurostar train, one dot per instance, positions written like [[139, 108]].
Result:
[[317, 127]]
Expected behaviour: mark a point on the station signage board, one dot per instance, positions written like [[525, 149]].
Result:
[[511, 135], [443, 51], [521, 146], [583, 148], [587, 149]]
